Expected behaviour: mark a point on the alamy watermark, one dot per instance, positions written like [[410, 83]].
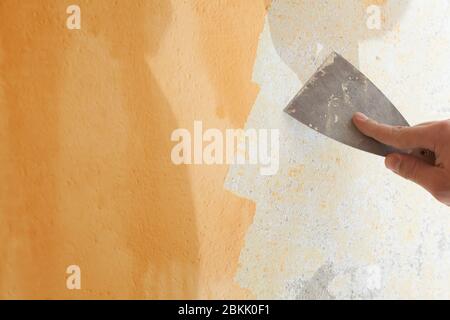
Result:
[[73, 21], [374, 17], [232, 146], [73, 281]]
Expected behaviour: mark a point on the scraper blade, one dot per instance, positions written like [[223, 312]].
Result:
[[334, 94]]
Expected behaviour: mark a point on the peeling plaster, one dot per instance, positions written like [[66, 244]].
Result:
[[334, 223]]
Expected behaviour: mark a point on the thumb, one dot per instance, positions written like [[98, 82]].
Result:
[[416, 170]]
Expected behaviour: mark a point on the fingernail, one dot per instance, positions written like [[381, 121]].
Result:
[[360, 117], [393, 162]]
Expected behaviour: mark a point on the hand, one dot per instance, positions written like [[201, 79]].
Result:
[[434, 136]]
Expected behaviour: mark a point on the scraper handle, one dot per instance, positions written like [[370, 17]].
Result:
[[425, 154]]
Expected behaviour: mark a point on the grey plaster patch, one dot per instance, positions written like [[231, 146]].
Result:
[[315, 288]]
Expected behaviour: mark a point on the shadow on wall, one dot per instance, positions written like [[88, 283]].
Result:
[[305, 32], [161, 227]]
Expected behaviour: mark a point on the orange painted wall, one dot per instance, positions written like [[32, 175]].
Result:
[[85, 123]]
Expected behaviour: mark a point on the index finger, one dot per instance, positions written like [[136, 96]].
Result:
[[422, 136]]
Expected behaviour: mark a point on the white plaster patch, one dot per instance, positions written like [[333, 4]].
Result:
[[334, 223]]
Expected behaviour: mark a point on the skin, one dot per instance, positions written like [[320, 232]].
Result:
[[434, 136]]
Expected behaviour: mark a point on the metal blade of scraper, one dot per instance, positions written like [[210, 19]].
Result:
[[331, 97]]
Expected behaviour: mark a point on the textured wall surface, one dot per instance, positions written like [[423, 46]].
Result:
[[334, 223], [85, 123], [86, 176]]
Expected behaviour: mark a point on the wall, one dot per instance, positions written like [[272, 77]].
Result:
[[85, 123], [334, 223]]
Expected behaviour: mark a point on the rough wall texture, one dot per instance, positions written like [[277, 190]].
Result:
[[85, 123], [334, 223]]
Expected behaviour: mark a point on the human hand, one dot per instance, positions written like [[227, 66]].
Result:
[[434, 136]]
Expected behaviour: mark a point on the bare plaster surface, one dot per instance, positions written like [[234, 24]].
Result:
[[334, 223]]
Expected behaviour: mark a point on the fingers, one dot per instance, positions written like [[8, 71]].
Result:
[[422, 136], [426, 123], [418, 171]]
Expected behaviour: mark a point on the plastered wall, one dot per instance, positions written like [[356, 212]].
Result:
[[86, 176], [85, 123], [334, 223]]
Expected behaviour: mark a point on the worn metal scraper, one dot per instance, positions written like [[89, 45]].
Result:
[[331, 97]]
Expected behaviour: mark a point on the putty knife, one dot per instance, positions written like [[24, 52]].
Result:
[[334, 94]]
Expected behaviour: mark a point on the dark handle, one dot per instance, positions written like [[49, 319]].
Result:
[[425, 154]]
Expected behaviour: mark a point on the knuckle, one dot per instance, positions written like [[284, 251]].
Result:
[[441, 134], [396, 133], [393, 131]]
